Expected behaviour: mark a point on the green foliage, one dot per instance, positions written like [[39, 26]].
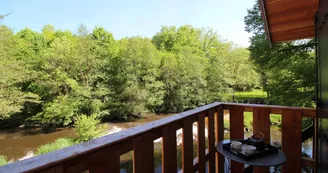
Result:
[[58, 144], [58, 112], [3, 160], [52, 76], [287, 69], [88, 127], [256, 93]]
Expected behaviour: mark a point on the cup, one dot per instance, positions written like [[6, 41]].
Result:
[[236, 145], [249, 150]]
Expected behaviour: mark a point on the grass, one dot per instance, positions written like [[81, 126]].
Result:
[[3, 160], [58, 144], [251, 94], [275, 119]]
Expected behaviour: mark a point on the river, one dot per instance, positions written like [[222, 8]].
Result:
[[18, 143]]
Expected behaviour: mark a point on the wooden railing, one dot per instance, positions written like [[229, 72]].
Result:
[[103, 154]]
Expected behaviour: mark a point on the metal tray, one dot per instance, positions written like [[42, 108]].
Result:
[[267, 150]]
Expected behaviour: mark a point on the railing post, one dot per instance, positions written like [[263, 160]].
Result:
[[106, 160], [292, 140], [169, 149], [187, 146], [143, 157], [261, 122], [201, 142], [237, 132], [219, 137], [211, 141]]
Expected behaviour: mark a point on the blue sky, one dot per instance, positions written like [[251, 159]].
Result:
[[126, 18]]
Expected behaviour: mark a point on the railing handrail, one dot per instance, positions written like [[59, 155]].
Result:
[[38, 163]]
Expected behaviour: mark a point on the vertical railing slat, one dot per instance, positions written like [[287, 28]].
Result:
[[292, 140], [211, 141], [219, 137], [237, 132], [106, 160], [169, 149], [143, 158], [201, 142], [187, 146], [261, 122]]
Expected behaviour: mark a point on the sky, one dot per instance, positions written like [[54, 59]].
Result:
[[125, 18]]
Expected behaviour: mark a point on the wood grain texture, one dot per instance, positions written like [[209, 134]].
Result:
[[187, 146], [261, 122], [237, 131], [219, 125], [288, 20], [143, 157], [201, 142], [292, 140], [108, 161], [169, 149], [211, 141]]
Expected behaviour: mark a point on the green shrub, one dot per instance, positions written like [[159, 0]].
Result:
[[88, 127], [275, 119], [3, 160], [58, 144]]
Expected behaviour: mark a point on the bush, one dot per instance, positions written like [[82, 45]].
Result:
[[3, 160], [88, 127], [58, 144]]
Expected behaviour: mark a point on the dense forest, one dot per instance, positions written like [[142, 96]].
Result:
[[52, 77]]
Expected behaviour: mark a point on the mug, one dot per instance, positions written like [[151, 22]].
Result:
[[249, 149], [236, 145]]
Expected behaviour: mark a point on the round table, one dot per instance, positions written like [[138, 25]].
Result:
[[275, 159]]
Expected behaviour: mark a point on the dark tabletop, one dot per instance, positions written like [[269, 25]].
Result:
[[269, 160]]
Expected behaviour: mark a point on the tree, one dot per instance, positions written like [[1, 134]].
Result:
[[283, 66], [134, 77], [13, 74]]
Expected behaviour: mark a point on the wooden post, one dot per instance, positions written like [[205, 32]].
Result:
[[237, 132], [169, 149], [143, 158], [292, 140], [211, 141], [201, 142], [219, 137], [261, 122], [106, 160], [187, 146]]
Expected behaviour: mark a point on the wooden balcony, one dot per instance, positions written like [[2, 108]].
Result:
[[103, 154]]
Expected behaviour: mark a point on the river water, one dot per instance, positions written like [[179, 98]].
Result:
[[18, 143]]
